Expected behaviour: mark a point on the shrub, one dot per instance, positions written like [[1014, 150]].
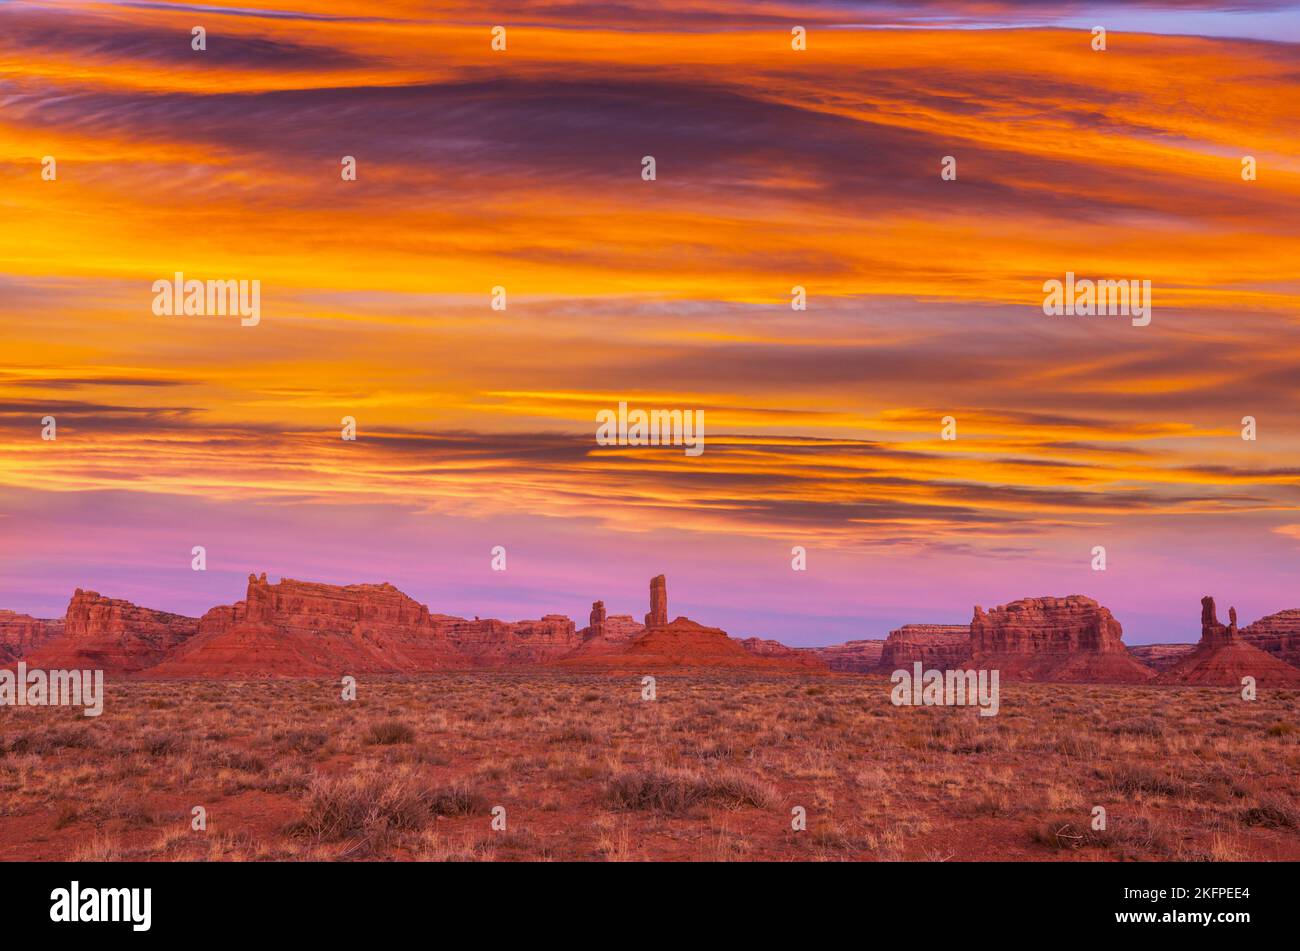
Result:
[[389, 732]]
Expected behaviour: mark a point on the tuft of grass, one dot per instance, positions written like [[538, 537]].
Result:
[[389, 732], [675, 791], [1139, 726], [368, 806], [1130, 779], [1272, 811]]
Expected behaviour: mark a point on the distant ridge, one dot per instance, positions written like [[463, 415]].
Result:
[[296, 628]]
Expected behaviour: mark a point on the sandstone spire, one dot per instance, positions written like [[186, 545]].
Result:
[[597, 619], [1212, 632], [658, 616]]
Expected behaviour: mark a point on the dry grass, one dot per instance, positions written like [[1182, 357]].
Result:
[[581, 768]]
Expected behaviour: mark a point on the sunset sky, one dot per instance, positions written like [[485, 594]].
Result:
[[775, 168]]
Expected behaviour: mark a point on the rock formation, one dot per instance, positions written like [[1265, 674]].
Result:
[[621, 627], [306, 629], [683, 643], [493, 643], [794, 656], [596, 627], [1223, 657], [606, 633], [112, 635], [1160, 657], [658, 615], [1278, 634], [1072, 639], [20, 634], [852, 657], [940, 646]]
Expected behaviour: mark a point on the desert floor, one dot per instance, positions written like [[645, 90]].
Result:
[[586, 770]]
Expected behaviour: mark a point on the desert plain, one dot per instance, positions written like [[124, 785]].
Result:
[[715, 767]]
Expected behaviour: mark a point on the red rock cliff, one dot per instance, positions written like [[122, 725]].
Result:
[[113, 635], [1223, 657], [1071, 639], [854, 657], [20, 634], [937, 646], [1278, 634]]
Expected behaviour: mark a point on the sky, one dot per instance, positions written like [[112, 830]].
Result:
[[774, 168]]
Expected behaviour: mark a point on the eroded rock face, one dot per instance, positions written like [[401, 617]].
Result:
[[20, 634], [1277, 634], [658, 615], [936, 646], [852, 657], [684, 643], [490, 642], [1071, 639], [1034, 625], [1223, 657], [622, 627], [596, 622], [308, 629], [113, 635], [1160, 657], [790, 656], [1214, 634]]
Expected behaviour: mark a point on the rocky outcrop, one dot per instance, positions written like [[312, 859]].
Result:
[[1071, 639], [306, 629], [606, 633], [20, 634], [596, 621], [112, 635], [939, 646], [853, 657], [494, 643], [1223, 657], [1160, 657], [793, 656], [658, 615], [684, 643], [1278, 634], [621, 627]]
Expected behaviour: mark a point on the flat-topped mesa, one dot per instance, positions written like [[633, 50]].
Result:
[[310, 606], [1034, 625], [493, 643], [1071, 639], [853, 657], [939, 646], [20, 634], [1277, 634], [308, 629], [658, 616], [622, 627], [775, 650], [1160, 657], [113, 635]]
